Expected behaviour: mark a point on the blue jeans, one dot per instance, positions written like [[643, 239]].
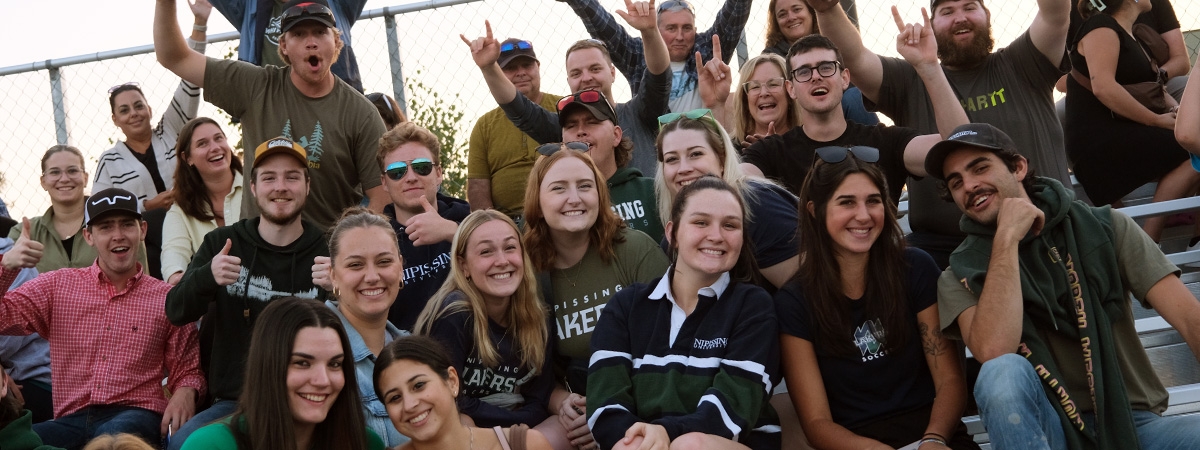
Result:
[[74, 430], [1018, 415], [218, 410]]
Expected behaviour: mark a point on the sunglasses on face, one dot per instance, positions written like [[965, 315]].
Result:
[[513, 46], [834, 155], [422, 166], [554, 147], [586, 97], [694, 114], [312, 9], [825, 68]]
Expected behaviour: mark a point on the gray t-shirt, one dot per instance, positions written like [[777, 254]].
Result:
[[1012, 90]]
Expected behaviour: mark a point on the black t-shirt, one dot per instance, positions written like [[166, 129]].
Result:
[[788, 157], [1161, 18], [148, 159], [877, 384]]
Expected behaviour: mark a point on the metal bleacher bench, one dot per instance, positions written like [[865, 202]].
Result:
[[1173, 361]]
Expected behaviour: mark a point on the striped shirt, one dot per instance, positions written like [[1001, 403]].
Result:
[[107, 347], [711, 371]]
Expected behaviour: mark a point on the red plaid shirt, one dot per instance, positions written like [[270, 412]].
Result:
[[106, 347]]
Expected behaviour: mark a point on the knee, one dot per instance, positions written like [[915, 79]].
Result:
[[689, 441], [1006, 380]]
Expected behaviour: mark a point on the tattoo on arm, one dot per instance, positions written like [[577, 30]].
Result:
[[932, 341]]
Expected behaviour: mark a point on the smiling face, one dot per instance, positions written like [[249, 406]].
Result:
[[280, 187], [963, 31], [678, 30], [310, 48], [979, 180], [314, 375], [820, 95], [568, 196], [794, 19], [587, 69], [601, 136], [687, 155], [210, 153], [493, 260], [709, 233], [525, 74], [64, 178], [854, 215], [766, 103], [419, 402], [116, 238], [131, 113], [367, 273], [407, 192]]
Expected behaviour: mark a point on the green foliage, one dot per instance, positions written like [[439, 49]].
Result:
[[441, 115]]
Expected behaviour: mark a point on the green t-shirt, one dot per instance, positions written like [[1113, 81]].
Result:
[[500, 152], [340, 131], [1142, 265], [270, 39], [217, 436], [580, 292]]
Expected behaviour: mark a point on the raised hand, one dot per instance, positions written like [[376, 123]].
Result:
[[429, 227], [823, 5], [26, 252], [715, 77], [640, 15], [226, 268], [916, 42], [201, 9], [320, 273], [485, 50], [752, 138]]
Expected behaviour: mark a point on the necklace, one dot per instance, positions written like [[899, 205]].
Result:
[[472, 434]]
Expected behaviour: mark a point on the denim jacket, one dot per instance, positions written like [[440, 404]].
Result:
[[364, 369]]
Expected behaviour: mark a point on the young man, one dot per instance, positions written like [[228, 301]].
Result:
[[1062, 363], [677, 26], [242, 267], [110, 341], [500, 156], [304, 102], [818, 81], [1010, 88], [589, 66], [588, 117]]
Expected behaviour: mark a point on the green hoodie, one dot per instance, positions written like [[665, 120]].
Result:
[[19, 435], [633, 199]]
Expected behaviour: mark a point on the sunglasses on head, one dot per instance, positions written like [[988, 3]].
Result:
[[554, 147], [834, 155], [311, 8], [676, 5], [582, 97], [694, 114], [513, 46], [396, 170], [119, 86]]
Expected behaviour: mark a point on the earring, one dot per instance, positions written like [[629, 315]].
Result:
[[337, 293]]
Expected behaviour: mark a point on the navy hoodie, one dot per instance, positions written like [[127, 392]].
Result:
[[425, 267]]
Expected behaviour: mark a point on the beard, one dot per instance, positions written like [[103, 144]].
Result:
[[971, 54], [279, 219]]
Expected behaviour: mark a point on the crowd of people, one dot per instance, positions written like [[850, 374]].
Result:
[[755, 291]]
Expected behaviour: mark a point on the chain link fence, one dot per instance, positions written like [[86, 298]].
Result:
[[429, 50]]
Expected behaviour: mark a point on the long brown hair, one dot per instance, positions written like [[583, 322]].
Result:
[[820, 275], [604, 234], [774, 34], [190, 192]]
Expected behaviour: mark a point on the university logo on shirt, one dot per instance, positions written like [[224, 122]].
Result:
[[869, 338]]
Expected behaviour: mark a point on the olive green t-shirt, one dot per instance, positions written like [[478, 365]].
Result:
[[500, 152]]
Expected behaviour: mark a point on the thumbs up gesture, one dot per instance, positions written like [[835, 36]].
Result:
[[429, 227], [26, 252], [225, 268]]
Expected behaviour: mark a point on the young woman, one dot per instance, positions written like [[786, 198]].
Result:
[[293, 396], [208, 180], [584, 255], [418, 386], [489, 318], [366, 273], [389, 110], [762, 105], [703, 337], [862, 303], [693, 144]]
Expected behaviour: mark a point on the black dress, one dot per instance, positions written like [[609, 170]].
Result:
[[1110, 155]]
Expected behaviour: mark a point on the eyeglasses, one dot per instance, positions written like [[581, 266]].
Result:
[[772, 85], [422, 166], [676, 5], [70, 172], [694, 114], [554, 147], [513, 46], [310, 8], [825, 68], [834, 155], [582, 97], [131, 84]]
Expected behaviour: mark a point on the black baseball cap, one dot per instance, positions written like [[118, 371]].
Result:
[[978, 135], [513, 48], [109, 201], [297, 11], [592, 100], [933, 4]]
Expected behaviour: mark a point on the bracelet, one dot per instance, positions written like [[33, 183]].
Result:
[[930, 433], [200, 28], [931, 439]]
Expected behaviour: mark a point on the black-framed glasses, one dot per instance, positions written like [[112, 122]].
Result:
[[825, 68], [834, 154], [676, 5], [119, 86], [554, 147], [753, 87], [694, 114], [513, 46], [422, 166]]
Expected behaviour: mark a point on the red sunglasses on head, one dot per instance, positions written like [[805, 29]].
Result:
[[582, 97]]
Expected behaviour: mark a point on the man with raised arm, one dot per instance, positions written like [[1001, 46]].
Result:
[[677, 26], [590, 66], [1039, 291], [1010, 88], [304, 102]]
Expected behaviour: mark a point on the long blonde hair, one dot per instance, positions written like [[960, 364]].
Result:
[[731, 163], [527, 317]]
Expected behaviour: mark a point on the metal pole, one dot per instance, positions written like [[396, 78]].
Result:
[[61, 132], [393, 41], [742, 52]]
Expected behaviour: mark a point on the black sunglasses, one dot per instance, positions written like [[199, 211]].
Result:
[[310, 8], [422, 166], [834, 155], [554, 147]]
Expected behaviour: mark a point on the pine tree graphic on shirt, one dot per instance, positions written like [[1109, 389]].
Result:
[[311, 144]]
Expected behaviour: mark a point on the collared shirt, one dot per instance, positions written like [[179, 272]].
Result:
[[364, 371], [107, 347], [663, 289]]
